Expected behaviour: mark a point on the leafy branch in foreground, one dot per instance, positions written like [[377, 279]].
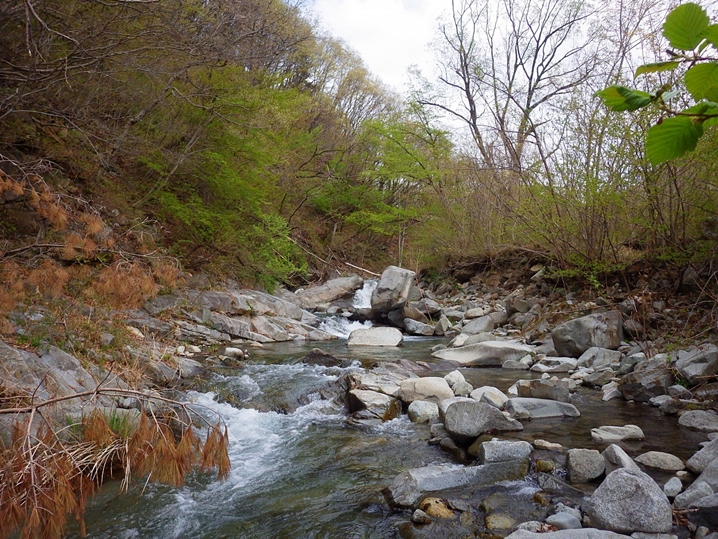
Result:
[[49, 470], [693, 44]]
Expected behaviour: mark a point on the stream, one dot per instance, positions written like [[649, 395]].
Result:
[[309, 474]]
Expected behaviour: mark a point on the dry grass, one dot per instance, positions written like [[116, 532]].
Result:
[[124, 286], [48, 473]]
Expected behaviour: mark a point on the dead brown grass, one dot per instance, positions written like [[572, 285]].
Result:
[[124, 286]]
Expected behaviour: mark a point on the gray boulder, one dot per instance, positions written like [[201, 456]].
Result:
[[485, 354], [525, 408], [392, 291], [585, 533], [702, 420], [584, 465], [697, 491], [649, 379], [265, 325], [564, 521], [375, 336], [698, 363], [429, 388], [615, 457], [557, 390], [658, 460], [409, 487], [502, 450], [611, 434], [483, 324], [332, 290], [466, 419], [700, 460], [414, 327], [573, 338], [366, 404], [490, 395], [596, 358], [629, 501], [554, 364], [423, 412]]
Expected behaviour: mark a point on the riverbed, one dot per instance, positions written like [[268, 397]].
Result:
[[300, 470]]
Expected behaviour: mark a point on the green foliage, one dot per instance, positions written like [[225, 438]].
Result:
[[688, 30]]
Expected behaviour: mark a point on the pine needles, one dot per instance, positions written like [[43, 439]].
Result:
[[48, 472]]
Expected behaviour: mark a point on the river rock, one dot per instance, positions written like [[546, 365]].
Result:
[[698, 363], [615, 457], [485, 354], [564, 521], [525, 408], [427, 306], [317, 356], [658, 460], [490, 395], [704, 512], [673, 487], [702, 420], [700, 460], [423, 412], [443, 326], [453, 378], [557, 390], [501, 450], [414, 327], [392, 290], [267, 326], [373, 405], [596, 358], [334, 289], [629, 501], [710, 475], [375, 336], [465, 419], [554, 364], [612, 434], [483, 324], [584, 465], [429, 388], [600, 378], [585, 533], [408, 488], [649, 378], [603, 330], [697, 491]]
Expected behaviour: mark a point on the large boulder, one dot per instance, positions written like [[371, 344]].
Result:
[[409, 487], [485, 354], [332, 290], [584, 465], [502, 450], [557, 390], [366, 404], [585, 533], [700, 460], [611, 434], [649, 379], [375, 336], [430, 388], [526, 408], [630, 501], [465, 419], [573, 338], [392, 291], [701, 420], [698, 363], [414, 327], [483, 324], [615, 457]]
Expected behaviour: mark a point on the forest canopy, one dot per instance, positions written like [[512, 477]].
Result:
[[249, 143]]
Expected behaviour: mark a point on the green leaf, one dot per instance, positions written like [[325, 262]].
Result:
[[620, 98], [711, 35], [657, 67], [672, 138], [702, 81], [685, 26]]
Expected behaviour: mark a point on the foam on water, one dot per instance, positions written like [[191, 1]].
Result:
[[362, 297], [341, 327]]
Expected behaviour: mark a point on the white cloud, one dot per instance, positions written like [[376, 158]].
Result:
[[389, 35]]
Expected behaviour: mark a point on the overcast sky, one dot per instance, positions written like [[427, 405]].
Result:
[[389, 35]]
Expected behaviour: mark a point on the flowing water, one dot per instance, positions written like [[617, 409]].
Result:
[[299, 470]]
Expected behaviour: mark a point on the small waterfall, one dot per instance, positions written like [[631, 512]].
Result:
[[362, 297], [339, 325]]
